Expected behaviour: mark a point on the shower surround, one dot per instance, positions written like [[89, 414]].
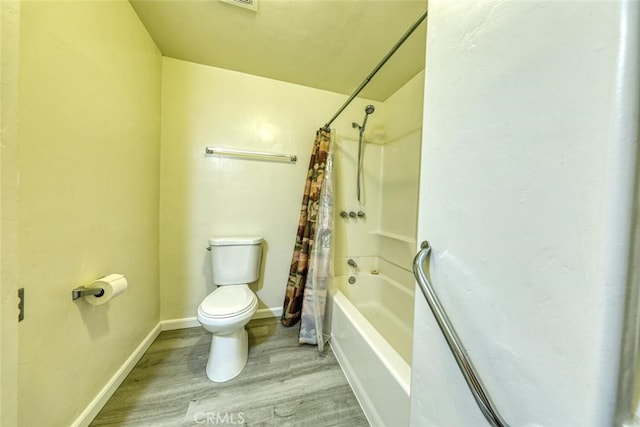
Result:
[[373, 296]]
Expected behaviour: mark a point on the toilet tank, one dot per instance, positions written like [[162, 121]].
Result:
[[235, 260]]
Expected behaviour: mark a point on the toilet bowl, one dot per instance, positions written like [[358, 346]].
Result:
[[224, 312]]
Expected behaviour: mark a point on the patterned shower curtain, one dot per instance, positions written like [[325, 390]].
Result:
[[303, 253], [315, 290]]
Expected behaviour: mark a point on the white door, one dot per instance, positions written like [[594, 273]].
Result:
[[530, 129]]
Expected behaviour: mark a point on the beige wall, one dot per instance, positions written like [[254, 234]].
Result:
[[206, 196], [9, 31], [88, 168]]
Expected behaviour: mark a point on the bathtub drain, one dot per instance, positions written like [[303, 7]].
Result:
[[352, 280]]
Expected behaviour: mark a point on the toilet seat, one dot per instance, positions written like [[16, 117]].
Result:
[[228, 301]]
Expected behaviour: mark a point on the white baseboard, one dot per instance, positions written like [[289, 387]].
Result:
[[264, 313], [192, 322], [187, 322], [112, 385]]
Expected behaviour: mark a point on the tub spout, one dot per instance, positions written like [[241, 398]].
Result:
[[352, 263]]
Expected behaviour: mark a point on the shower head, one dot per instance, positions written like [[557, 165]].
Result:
[[369, 109]]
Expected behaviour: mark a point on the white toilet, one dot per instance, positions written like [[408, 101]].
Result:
[[235, 262]]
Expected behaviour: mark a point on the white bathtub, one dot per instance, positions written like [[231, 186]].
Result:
[[371, 338]]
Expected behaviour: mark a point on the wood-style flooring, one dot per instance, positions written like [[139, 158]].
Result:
[[283, 384]]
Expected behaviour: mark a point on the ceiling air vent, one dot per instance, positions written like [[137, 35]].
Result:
[[247, 4]]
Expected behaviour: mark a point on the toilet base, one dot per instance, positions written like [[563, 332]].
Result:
[[227, 356]]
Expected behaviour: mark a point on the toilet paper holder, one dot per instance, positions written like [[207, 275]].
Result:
[[82, 292]]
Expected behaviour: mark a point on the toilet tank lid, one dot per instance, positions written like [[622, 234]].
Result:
[[233, 241]]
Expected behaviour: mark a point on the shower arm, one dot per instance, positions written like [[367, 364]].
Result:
[[469, 372]]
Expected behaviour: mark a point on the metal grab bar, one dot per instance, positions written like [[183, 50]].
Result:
[[210, 151], [479, 392]]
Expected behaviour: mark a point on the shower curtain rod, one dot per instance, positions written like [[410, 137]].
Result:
[[366, 81]]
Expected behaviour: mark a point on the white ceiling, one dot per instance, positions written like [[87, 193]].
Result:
[[325, 44]]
